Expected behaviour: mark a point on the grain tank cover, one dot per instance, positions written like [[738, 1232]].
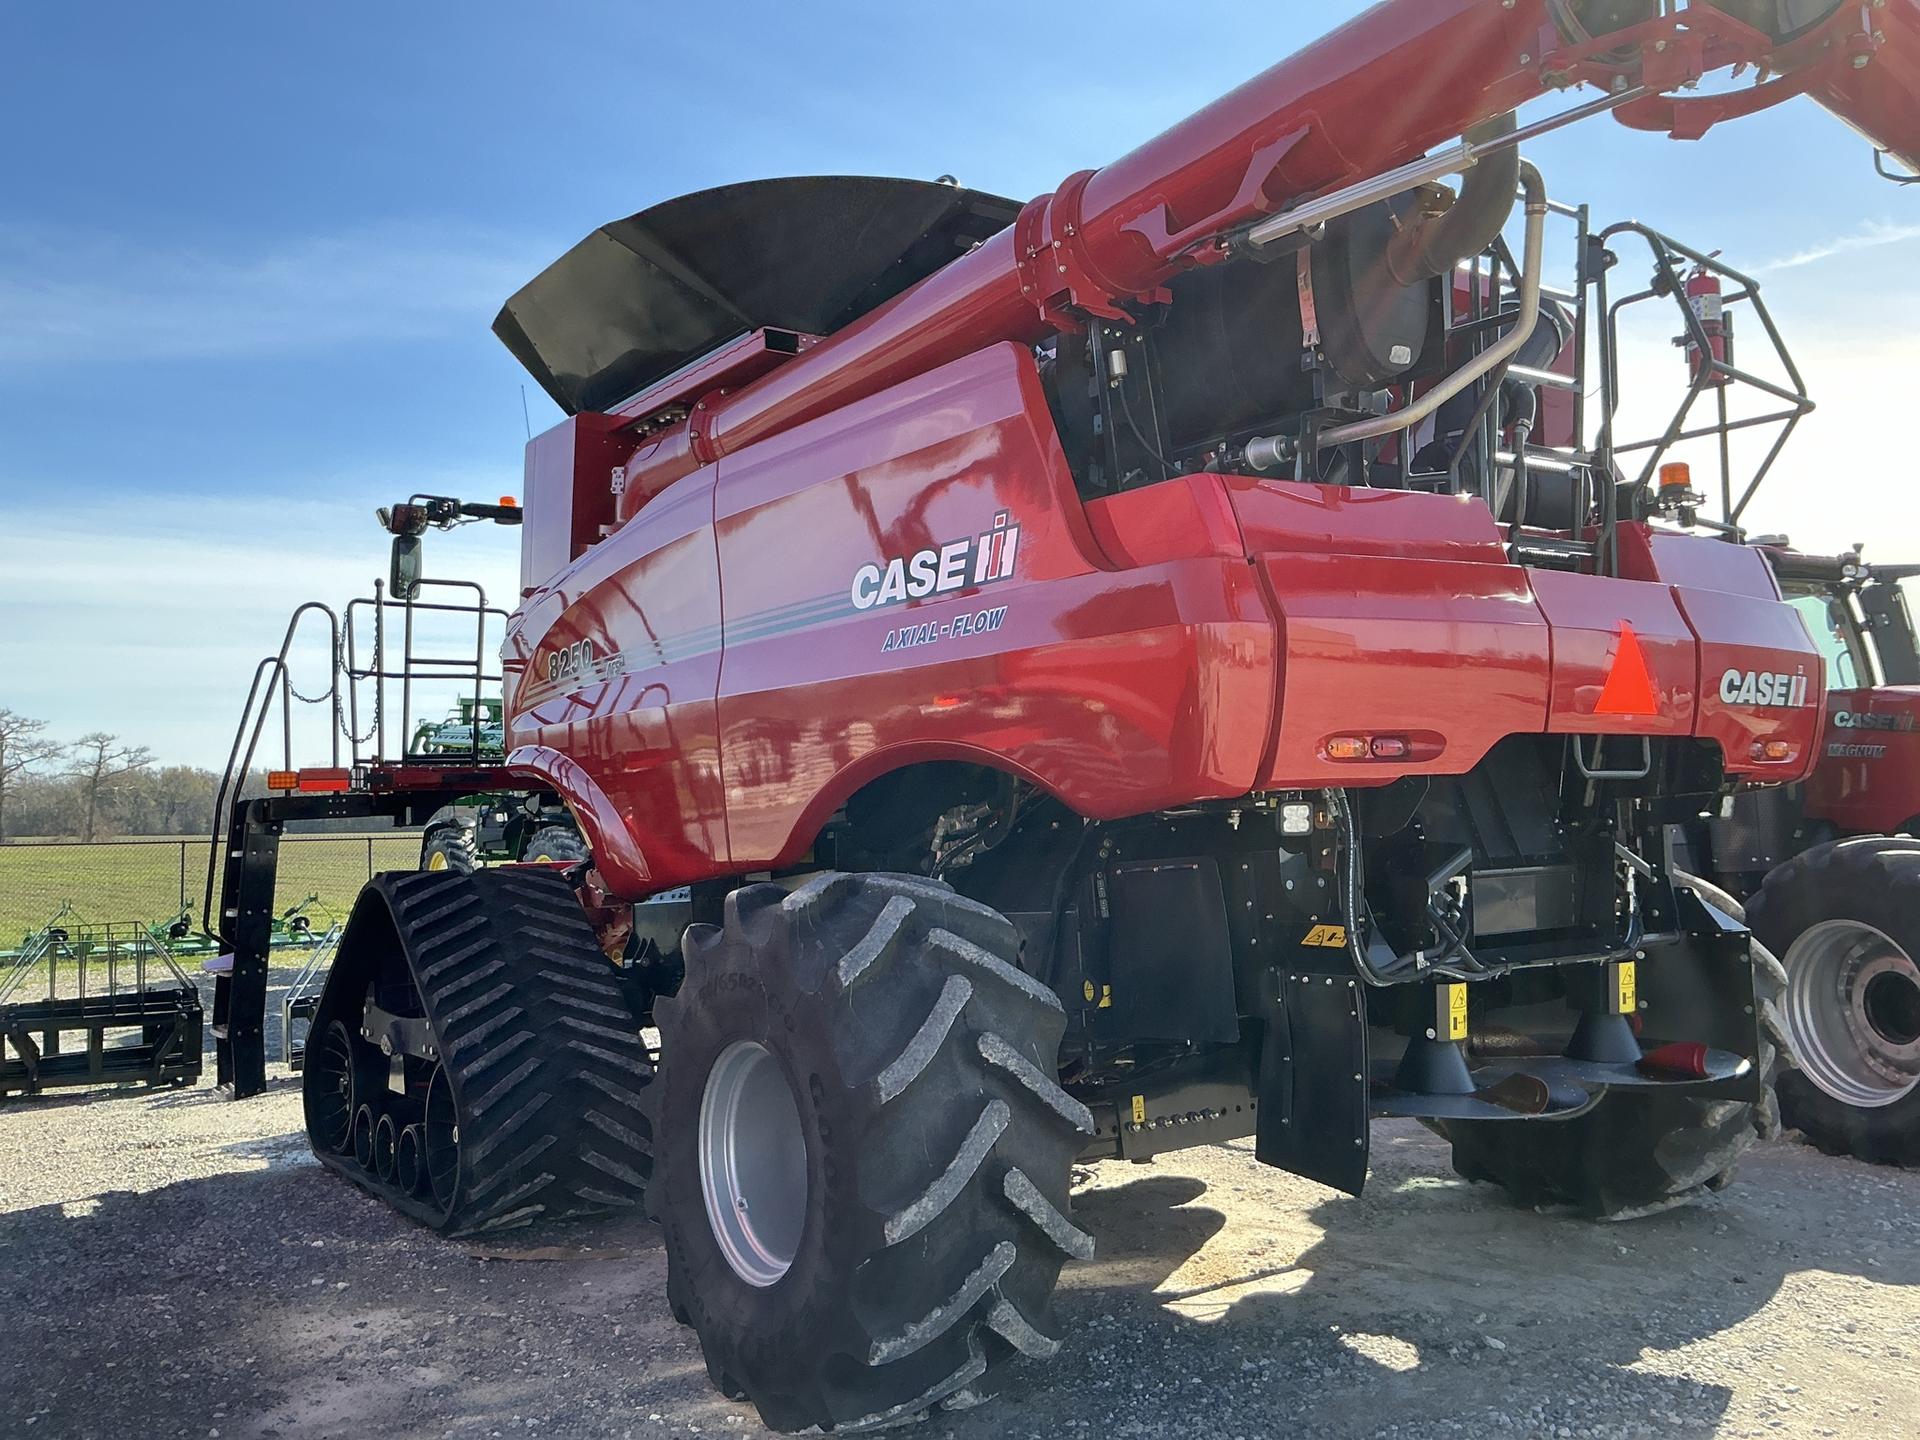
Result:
[[641, 297]]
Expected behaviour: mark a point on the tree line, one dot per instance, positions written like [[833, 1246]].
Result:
[[96, 786], [99, 786]]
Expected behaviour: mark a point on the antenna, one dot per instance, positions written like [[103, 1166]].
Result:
[[525, 419]]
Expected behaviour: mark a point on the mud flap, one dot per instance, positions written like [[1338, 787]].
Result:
[[1313, 1086]]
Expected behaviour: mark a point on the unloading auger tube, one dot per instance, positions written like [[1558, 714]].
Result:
[[1358, 105]]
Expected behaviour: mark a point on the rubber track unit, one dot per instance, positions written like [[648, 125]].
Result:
[[1877, 881], [1634, 1154], [939, 1149], [544, 1058]]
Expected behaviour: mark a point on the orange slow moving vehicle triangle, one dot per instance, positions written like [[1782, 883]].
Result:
[[1629, 689]]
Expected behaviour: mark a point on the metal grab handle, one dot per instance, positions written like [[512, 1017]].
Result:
[[1593, 772]]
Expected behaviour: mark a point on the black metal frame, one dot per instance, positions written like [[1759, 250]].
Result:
[[169, 1016], [1716, 375], [244, 847], [249, 872]]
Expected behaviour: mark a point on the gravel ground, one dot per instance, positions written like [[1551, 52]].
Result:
[[178, 1265]]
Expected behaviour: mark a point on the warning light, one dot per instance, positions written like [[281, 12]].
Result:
[[509, 503], [282, 779], [1629, 689], [1348, 747], [1390, 747], [324, 781], [1676, 475], [1772, 750]]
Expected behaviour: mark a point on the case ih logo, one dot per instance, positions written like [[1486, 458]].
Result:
[[1860, 720], [1763, 688], [956, 565]]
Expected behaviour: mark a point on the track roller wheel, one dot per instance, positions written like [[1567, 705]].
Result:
[[864, 1155], [332, 1090], [497, 1034]]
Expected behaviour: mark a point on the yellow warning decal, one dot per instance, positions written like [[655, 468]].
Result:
[[1627, 995], [1456, 1011], [1105, 995], [1139, 1109], [1327, 937]]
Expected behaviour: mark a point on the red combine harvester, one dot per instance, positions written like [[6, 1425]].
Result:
[[1829, 869], [1026, 698]]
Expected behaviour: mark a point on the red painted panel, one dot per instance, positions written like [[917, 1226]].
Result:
[[1647, 553], [1868, 779], [565, 495], [1587, 613], [1122, 693], [1335, 520], [1742, 637], [1185, 517], [1453, 653], [636, 714]]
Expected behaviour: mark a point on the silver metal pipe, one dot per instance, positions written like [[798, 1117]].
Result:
[[1496, 354], [1454, 160]]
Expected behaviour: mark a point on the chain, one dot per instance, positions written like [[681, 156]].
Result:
[[339, 711]]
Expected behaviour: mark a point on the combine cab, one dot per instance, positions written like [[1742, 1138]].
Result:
[[1037, 682]]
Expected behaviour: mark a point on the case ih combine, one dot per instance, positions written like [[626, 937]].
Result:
[[1028, 696]]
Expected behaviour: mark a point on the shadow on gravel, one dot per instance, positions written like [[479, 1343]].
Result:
[[282, 1302], [1431, 1302]]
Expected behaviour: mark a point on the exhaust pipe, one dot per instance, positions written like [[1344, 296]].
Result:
[[1434, 246]]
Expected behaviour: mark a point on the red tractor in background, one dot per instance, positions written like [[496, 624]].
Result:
[[1844, 913], [1027, 698]]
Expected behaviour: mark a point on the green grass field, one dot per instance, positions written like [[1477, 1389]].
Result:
[[146, 881]]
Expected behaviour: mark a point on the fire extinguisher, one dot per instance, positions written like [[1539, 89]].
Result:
[[1704, 299]]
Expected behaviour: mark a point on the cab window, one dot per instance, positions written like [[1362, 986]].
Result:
[[1828, 624]]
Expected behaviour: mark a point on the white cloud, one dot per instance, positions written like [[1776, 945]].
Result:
[[1871, 236], [146, 616], [73, 298]]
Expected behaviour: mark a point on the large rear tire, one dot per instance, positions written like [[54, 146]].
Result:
[[1845, 920], [864, 1157], [1632, 1154]]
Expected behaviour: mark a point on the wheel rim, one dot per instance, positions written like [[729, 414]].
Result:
[[440, 1139], [1853, 1012], [386, 1138], [363, 1137], [330, 1080], [437, 860], [753, 1163], [407, 1171]]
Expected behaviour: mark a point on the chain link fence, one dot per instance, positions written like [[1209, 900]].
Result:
[[152, 881]]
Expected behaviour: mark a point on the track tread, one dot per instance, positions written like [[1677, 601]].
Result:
[[548, 1087]]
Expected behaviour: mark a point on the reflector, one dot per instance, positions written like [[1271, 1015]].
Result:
[[1629, 689]]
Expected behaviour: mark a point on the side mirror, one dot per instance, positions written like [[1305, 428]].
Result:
[[403, 576]]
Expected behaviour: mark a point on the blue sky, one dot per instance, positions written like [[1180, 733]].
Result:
[[249, 255]]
